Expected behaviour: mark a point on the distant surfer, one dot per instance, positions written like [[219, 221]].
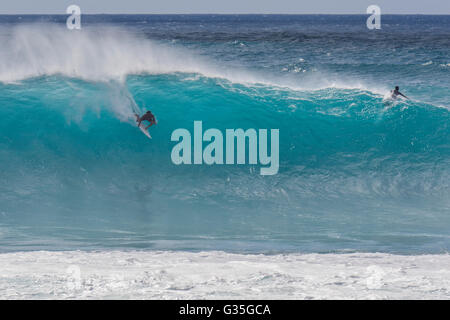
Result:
[[147, 116], [395, 93]]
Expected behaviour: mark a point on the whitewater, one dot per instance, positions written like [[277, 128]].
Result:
[[220, 275], [362, 191]]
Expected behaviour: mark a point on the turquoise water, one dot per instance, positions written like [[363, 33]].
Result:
[[356, 173]]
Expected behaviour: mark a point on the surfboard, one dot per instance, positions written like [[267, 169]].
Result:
[[390, 100], [144, 131], [142, 127]]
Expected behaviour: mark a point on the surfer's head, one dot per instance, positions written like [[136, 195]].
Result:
[[397, 88]]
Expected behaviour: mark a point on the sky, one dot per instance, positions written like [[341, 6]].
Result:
[[225, 6]]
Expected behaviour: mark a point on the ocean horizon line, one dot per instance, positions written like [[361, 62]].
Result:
[[227, 14]]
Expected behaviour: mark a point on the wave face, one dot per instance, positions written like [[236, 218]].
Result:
[[356, 173]]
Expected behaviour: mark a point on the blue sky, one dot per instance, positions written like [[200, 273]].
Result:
[[226, 6]]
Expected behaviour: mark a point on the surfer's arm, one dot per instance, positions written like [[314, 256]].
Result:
[[403, 95]]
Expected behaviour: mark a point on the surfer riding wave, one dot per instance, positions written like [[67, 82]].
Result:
[[147, 116]]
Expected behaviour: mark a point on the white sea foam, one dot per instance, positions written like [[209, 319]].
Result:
[[106, 53], [220, 275]]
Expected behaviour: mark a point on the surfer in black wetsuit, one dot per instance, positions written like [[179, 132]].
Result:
[[147, 116], [396, 93]]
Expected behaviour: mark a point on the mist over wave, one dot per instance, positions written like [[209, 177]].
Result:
[[102, 53]]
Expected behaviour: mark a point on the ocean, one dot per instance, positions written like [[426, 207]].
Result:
[[362, 182]]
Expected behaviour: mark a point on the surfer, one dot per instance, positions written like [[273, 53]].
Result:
[[395, 93], [147, 116]]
